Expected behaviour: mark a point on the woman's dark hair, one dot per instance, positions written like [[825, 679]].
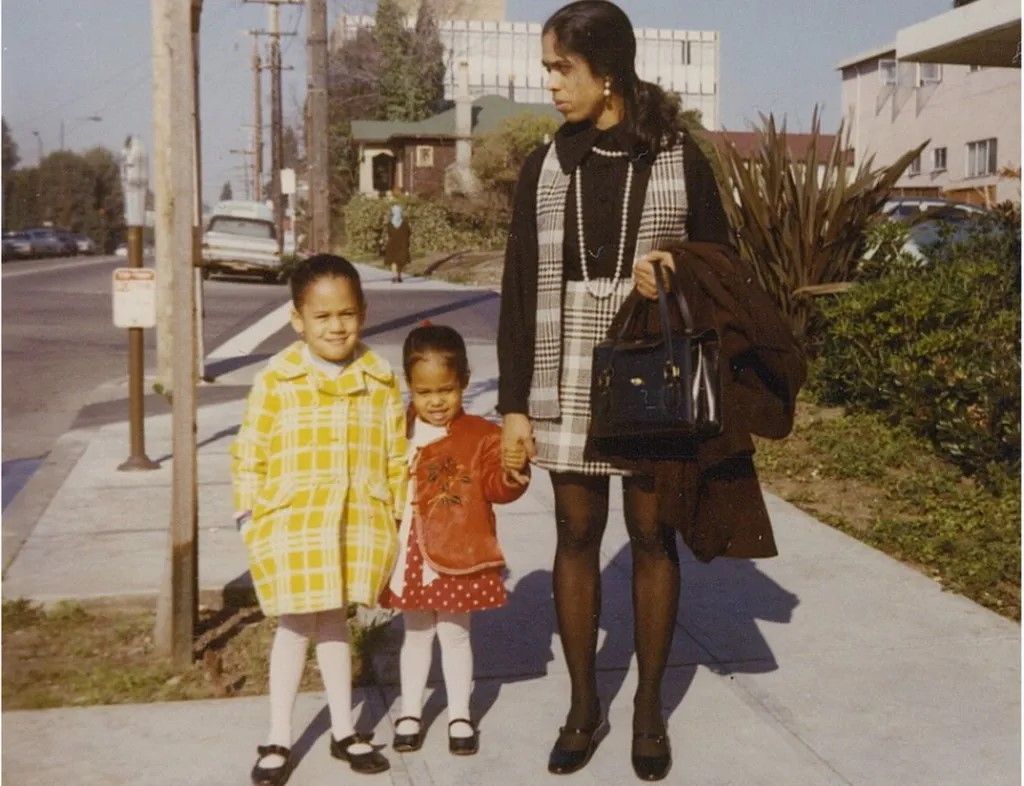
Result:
[[601, 33], [440, 340], [311, 270]]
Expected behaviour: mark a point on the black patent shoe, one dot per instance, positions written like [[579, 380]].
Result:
[[651, 768], [406, 743], [271, 776], [562, 760], [367, 763], [463, 746]]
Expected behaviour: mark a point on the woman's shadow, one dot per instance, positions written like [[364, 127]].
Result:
[[716, 626]]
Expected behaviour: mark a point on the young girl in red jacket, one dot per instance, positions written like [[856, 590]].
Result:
[[450, 563]]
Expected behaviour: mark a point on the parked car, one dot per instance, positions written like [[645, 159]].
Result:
[[69, 242], [121, 250], [241, 239], [45, 242], [908, 209], [16, 246], [85, 244]]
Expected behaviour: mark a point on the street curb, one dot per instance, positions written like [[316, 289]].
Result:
[[32, 500]]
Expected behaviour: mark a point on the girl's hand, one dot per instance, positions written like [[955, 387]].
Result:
[[517, 446], [643, 273]]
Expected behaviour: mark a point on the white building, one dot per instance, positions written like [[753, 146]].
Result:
[[504, 59], [954, 81]]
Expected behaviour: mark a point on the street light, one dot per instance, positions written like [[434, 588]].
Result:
[[88, 118], [39, 139]]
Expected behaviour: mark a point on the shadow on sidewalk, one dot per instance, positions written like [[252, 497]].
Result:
[[720, 605]]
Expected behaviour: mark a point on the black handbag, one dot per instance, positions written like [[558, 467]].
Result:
[[655, 396]]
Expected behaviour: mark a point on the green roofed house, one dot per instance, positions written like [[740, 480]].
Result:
[[431, 157]]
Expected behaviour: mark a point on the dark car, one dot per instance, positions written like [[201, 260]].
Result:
[[69, 241], [17, 246], [45, 242]]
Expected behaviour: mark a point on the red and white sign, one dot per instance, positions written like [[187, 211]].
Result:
[[134, 297]]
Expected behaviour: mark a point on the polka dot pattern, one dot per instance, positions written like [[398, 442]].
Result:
[[471, 592]]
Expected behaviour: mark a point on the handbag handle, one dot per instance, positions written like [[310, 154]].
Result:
[[684, 311]]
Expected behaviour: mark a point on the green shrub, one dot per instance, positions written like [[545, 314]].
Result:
[[937, 349], [437, 225]]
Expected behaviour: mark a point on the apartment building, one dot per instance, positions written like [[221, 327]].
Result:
[[504, 59], [952, 82]]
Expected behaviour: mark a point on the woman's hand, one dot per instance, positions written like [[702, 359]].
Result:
[[643, 273], [517, 446]]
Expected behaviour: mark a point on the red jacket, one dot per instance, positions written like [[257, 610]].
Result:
[[458, 478]]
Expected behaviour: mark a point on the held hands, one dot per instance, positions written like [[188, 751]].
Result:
[[643, 273], [517, 447]]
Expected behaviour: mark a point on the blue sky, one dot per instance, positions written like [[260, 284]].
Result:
[[74, 59]]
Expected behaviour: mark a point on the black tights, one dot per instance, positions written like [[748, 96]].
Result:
[[581, 513]]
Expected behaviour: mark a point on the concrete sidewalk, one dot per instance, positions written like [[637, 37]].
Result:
[[829, 664]]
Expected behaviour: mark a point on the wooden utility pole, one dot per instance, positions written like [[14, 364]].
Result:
[[316, 136], [257, 129], [175, 170], [276, 121], [197, 226], [276, 113]]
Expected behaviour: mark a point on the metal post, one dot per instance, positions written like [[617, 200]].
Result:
[[137, 458], [134, 181]]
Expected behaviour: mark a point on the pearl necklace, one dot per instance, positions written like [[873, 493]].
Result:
[[592, 287]]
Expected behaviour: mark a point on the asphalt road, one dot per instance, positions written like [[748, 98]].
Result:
[[59, 344]]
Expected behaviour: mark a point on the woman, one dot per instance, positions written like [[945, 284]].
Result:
[[396, 245], [618, 182]]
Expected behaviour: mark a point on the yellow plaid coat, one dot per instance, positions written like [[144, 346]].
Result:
[[322, 465]]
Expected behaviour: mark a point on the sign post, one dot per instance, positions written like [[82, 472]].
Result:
[[135, 298]]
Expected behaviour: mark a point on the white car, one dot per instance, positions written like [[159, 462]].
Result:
[[241, 239]]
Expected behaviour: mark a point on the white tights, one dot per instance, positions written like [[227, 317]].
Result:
[[287, 661], [456, 664]]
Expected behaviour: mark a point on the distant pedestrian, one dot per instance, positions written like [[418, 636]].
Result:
[[450, 563], [319, 473], [398, 236]]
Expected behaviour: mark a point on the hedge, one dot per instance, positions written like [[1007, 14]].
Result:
[[437, 225], [937, 348]]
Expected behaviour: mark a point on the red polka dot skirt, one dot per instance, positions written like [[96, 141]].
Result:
[[470, 592]]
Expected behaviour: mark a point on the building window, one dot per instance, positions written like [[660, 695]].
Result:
[[424, 155], [939, 159], [929, 73], [981, 158], [887, 72], [915, 166], [684, 52]]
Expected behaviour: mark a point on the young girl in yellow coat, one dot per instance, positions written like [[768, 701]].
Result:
[[319, 471]]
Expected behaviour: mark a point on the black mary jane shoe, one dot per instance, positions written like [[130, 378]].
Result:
[[651, 768], [407, 743], [366, 763], [271, 776], [463, 746], [563, 761]]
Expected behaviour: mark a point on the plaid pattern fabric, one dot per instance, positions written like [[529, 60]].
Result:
[[552, 188], [662, 221], [585, 320], [322, 465]]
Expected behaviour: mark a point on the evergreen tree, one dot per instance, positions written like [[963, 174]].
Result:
[[428, 53], [10, 150], [399, 72], [226, 193]]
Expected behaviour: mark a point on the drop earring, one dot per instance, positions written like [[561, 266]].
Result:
[[607, 92]]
